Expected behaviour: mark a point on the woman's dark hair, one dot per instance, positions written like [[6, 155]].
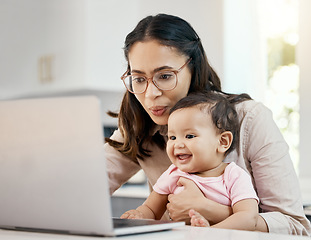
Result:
[[135, 124], [220, 107], [175, 32]]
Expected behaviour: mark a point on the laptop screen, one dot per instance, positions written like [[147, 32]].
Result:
[[52, 165]]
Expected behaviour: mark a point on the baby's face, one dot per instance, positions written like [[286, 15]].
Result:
[[192, 140]]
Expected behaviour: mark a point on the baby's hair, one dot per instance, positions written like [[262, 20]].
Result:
[[221, 110]]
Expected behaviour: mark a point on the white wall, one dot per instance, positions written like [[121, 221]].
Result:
[[31, 29], [244, 53], [303, 60], [85, 39]]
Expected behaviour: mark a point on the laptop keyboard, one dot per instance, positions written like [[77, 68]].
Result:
[[122, 223]]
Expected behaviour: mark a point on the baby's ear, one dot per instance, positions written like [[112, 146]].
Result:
[[225, 140]]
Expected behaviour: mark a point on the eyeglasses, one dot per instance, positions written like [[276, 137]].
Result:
[[164, 80]]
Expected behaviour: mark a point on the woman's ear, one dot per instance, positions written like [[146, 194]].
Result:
[[225, 141]]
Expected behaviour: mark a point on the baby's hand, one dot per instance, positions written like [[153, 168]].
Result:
[[197, 220], [133, 214]]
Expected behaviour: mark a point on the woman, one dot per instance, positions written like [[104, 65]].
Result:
[[166, 61]]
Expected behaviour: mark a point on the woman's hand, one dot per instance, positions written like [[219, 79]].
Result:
[[180, 204], [192, 198]]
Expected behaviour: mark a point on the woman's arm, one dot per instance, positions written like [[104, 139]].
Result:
[[192, 198], [119, 167], [244, 217], [274, 177]]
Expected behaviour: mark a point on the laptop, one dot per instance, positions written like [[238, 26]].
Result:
[[53, 172]]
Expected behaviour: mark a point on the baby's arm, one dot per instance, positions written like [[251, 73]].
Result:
[[244, 217], [152, 208]]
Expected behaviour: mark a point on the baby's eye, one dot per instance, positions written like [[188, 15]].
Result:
[[189, 136], [172, 138]]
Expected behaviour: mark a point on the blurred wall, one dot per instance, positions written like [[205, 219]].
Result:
[[304, 62]]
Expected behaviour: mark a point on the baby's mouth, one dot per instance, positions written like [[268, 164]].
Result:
[[183, 157]]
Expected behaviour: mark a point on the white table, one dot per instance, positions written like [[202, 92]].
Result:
[[183, 233]]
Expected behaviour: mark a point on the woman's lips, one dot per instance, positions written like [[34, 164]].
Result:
[[158, 111]]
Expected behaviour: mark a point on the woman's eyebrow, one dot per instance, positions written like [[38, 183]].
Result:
[[137, 71], [162, 68], [154, 70]]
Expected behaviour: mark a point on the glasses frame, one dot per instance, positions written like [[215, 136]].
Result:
[[126, 74]]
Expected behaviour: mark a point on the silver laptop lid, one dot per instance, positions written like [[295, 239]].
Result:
[[52, 166]]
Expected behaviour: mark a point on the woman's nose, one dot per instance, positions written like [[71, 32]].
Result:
[[152, 91]]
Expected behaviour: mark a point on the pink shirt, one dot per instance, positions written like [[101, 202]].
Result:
[[230, 187]]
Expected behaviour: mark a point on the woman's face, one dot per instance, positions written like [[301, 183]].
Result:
[[149, 57]]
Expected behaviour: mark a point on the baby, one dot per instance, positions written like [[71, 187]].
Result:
[[202, 130]]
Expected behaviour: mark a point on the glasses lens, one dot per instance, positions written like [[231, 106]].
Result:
[[136, 84], [165, 80]]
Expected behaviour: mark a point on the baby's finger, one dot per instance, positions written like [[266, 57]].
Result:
[[125, 215]]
